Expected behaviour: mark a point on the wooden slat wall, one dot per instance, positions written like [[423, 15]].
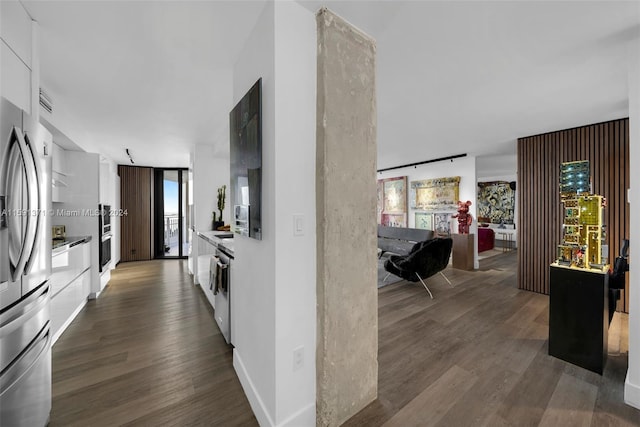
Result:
[[606, 146], [136, 226]]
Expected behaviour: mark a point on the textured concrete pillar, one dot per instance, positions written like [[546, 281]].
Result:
[[347, 297]]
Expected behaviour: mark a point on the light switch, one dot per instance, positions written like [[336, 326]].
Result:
[[298, 225]]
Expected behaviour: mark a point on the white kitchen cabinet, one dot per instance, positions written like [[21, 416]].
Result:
[[70, 285], [59, 176], [15, 29], [15, 79], [15, 51]]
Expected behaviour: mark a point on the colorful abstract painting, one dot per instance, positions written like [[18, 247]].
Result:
[[395, 195], [496, 202], [424, 220], [435, 194]]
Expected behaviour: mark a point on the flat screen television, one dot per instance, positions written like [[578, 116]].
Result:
[[245, 125]]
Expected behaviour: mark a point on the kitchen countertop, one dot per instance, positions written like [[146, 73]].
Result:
[[68, 242], [218, 239]]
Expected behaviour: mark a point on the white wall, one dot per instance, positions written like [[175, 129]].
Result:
[[632, 384], [209, 174], [274, 281], [464, 167], [295, 70], [254, 297]]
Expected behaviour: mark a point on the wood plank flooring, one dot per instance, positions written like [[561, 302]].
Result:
[[147, 353], [476, 355]]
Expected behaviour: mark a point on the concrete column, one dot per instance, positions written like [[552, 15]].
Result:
[[347, 298]]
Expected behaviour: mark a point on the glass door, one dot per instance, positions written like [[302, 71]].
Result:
[[171, 237]]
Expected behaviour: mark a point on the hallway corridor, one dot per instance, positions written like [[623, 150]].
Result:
[[147, 352]]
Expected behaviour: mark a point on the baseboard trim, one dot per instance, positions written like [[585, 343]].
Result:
[[256, 403], [304, 417], [631, 393]]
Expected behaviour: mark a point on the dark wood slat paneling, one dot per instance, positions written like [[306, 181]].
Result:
[[606, 146], [135, 198]]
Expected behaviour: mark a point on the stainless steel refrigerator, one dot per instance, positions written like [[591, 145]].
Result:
[[25, 267]]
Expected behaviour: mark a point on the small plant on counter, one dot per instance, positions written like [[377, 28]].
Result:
[[222, 197], [217, 219]]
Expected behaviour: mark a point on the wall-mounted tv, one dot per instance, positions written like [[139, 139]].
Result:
[[245, 124]]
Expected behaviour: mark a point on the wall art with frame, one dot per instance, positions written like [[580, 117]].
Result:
[[438, 194]]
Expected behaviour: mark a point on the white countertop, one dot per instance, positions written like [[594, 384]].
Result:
[[214, 237]]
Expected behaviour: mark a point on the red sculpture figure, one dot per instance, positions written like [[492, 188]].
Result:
[[464, 217]]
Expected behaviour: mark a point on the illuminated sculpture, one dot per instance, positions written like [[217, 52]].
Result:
[[583, 228], [464, 217]]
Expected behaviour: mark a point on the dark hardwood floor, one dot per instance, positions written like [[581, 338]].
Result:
[[476, 355], [147, 353]]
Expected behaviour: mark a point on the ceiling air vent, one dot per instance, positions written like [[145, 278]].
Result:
[[45, 101]]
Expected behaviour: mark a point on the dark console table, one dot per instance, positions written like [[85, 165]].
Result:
[[462, 253], [579, 316]]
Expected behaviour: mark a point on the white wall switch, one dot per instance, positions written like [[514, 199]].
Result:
[[298, 358], [298, 225]]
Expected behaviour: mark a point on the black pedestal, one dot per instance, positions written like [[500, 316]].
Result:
[[579, 316]]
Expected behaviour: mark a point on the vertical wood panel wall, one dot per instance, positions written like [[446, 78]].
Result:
[[136, 226], [606, 146]]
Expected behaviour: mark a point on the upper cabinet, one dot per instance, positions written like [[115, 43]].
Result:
[[15, 29], [15, 49], [59, 174]]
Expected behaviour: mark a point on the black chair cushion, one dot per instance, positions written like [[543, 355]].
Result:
[[426, 259]]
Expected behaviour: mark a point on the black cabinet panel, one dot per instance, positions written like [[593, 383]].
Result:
[[579, 316]]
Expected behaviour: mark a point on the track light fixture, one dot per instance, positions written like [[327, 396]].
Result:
[[456, 156], [129, 154]]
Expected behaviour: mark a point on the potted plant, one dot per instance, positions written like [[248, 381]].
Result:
[[222, 196]]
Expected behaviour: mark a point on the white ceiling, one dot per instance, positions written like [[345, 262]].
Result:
[[453, 77], [151, 76]]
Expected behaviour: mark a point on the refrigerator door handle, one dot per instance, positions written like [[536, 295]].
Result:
[[20, 251], [16, 370], [35, 209], [24, 310], [13, 180]]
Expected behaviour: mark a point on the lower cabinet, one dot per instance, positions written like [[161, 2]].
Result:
[[71, 285], [66, 304]]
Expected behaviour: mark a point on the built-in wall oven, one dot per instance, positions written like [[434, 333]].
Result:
[[104, 249]]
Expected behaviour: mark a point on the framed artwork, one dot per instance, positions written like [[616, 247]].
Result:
[[395, 195], [380, 200], [496, 202], [394, 220], [424, 220], [442, 223], [435, 194]]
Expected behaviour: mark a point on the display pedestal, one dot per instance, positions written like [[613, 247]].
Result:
[[579, 316], [463, 251]]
